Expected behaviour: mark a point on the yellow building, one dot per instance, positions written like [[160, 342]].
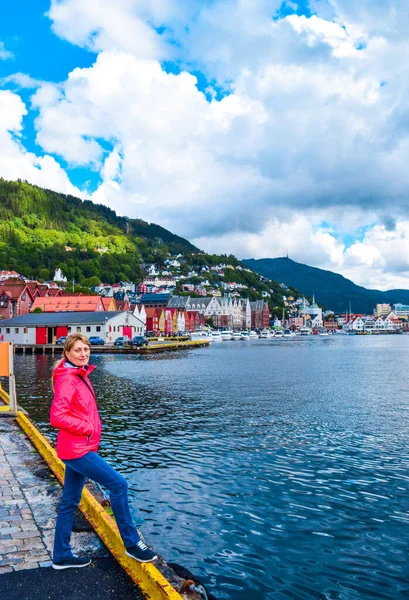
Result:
[[383, 310]]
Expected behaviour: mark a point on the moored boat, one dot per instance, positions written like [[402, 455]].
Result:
[[200, 335], [227, 334], [216, 336]]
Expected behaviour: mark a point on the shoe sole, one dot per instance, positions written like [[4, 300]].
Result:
[[61, 567], [141, 560]]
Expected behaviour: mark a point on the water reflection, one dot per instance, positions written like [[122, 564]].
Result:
[[273, 469]]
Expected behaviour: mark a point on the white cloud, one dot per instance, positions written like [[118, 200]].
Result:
[[5, 54], [105, 25], [15, 161], [22, 81]]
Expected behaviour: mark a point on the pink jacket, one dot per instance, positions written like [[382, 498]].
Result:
[[74, 412]]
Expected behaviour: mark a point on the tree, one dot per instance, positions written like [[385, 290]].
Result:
[[44, 274]]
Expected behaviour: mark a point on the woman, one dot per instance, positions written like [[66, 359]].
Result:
[[74, 412]]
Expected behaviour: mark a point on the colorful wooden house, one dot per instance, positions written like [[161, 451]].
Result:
[[162, 322], [15, 299], [152, 319]]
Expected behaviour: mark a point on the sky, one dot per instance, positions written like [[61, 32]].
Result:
[[255, 127]]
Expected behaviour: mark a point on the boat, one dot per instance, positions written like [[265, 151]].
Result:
[[200, 335], [287, 333], [227, 334], [305, 331], [236, 335], [216, 336], [323, 333], [278, 334], [266, 334], [253, 335], [245, 335]]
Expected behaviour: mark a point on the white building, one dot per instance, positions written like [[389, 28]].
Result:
[[140, 313], [314, 311], [46, 328], [159, 282], [59, 276], [401, 310]]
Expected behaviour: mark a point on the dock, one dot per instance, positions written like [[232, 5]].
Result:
[[152, 348]]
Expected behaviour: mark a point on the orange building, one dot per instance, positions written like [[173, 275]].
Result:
[[109, 304], [69, 304]]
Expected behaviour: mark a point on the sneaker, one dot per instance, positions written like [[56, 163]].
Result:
[[141, 552], [71, 563]]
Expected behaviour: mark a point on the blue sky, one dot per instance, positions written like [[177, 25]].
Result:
[[247, 127]]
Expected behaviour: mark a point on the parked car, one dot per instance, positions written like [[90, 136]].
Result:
[[139, 341], [122, 341], [95, 340], [61, 340]]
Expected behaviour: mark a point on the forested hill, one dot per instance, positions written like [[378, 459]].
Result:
[[332, 290], [41, 230]]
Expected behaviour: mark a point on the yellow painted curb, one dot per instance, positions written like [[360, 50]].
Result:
[[146, 576], [5, 397]]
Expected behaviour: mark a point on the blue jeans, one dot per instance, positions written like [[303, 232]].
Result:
[[77, 470]]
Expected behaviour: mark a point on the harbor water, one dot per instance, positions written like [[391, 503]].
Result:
[[272, 469]]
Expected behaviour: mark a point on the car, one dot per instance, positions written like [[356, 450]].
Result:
[[61, 340], [139, 341], [95, 340], [122, 341]]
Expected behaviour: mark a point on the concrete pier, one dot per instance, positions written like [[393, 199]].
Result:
[[29, 498], [152, 348]]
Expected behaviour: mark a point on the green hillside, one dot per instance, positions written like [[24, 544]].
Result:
[[41, 230], [331, 290]]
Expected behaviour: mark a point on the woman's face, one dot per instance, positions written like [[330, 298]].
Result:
[[79, 354]]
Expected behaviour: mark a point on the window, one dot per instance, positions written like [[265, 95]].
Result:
[[78, 329], [7, 329], [98, 328], [88, 329], [69, 329], [25, 329], [23, 297], [16, 330]]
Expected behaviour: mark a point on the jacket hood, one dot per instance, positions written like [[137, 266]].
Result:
[[79, 371]]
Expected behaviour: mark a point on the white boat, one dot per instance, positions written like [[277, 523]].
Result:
[[305, 331], [216, 336], [236, 335], [278, 334], [266, 334], [287, 333], [253, 335], [200, 335], [245, 335], [323, 333], [226, 334]]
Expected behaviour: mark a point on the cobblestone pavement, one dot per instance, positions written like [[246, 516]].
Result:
[[29, 498]]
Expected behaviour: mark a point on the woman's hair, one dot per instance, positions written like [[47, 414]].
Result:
[[69, 343]]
